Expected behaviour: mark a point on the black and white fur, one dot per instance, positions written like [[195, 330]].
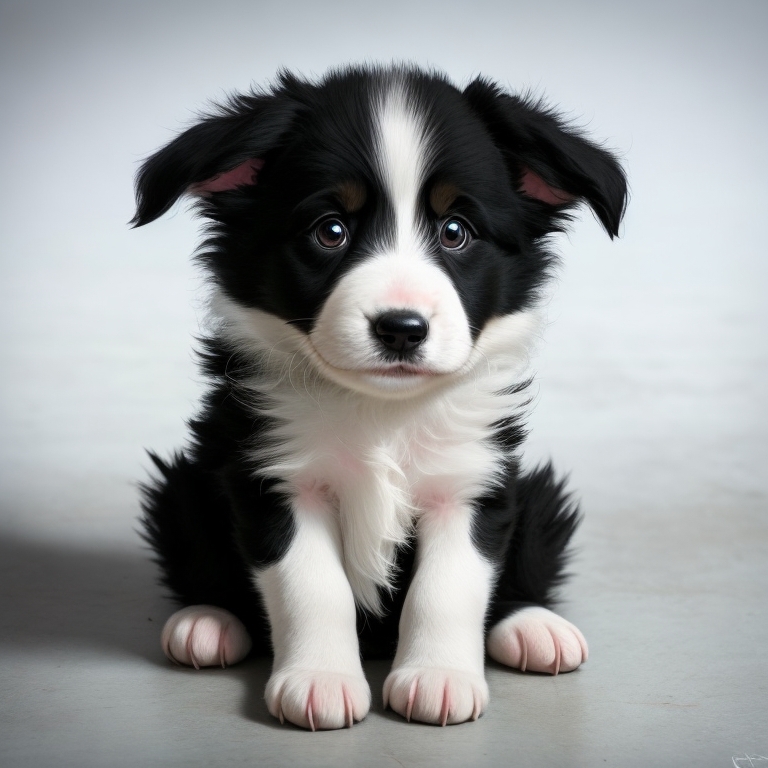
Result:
[[377, 241]]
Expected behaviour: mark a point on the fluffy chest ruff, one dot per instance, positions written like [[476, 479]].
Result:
[[380, 464]]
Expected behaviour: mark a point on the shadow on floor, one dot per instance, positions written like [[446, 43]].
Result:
[[61, 596], [65, 599]]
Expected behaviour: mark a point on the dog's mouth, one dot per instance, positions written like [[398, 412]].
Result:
[[398, 370], [388, 379]]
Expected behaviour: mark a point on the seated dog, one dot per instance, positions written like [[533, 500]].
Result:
[[376, 243]]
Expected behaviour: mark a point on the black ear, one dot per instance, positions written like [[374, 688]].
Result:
[[223, 151], [550, 161]]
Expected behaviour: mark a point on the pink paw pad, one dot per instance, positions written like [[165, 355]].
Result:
[[205, 636], [318, 700], [537, 640], [437, 696]]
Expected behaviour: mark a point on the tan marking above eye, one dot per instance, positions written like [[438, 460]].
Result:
[[442, 197], [352, 195]]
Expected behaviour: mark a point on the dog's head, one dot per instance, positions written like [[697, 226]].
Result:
[[385, 224]]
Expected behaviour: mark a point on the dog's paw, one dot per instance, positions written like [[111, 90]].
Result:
[[205, 636], [433, 695], [318, 700], [537, 640]]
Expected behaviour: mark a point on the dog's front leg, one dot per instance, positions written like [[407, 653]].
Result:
[[438, 672], [317, 679]]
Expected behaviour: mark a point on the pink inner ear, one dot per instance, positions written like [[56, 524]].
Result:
[[534, 186], [243, 175]]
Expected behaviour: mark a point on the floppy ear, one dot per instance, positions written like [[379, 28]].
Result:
[[549, 161], [222, 152]]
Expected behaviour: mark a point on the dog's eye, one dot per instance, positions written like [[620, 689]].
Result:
[[331, 234], [454, 234]]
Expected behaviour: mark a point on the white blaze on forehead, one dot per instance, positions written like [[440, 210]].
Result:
[[403, 156], [399, 272]]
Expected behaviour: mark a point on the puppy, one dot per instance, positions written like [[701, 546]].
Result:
[[376, 244]]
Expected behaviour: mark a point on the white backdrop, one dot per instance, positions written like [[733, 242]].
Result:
[[652, 385], [665, 328]]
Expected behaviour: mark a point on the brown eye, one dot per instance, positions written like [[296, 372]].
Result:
[[331, 233], [453, 234]]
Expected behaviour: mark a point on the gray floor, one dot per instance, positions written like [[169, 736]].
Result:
[[652, 382]]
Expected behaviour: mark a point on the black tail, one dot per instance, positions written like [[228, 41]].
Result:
[[538, 552], [187, 522]]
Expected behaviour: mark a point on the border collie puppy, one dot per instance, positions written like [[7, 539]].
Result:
[[376, 244]]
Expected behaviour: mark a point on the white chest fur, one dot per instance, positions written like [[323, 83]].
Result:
[[380, 464]]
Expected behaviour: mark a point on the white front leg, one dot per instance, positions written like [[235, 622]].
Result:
[[317, 679], [438, 672]]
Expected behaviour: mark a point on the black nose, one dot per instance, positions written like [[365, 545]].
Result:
[[401, 330]]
